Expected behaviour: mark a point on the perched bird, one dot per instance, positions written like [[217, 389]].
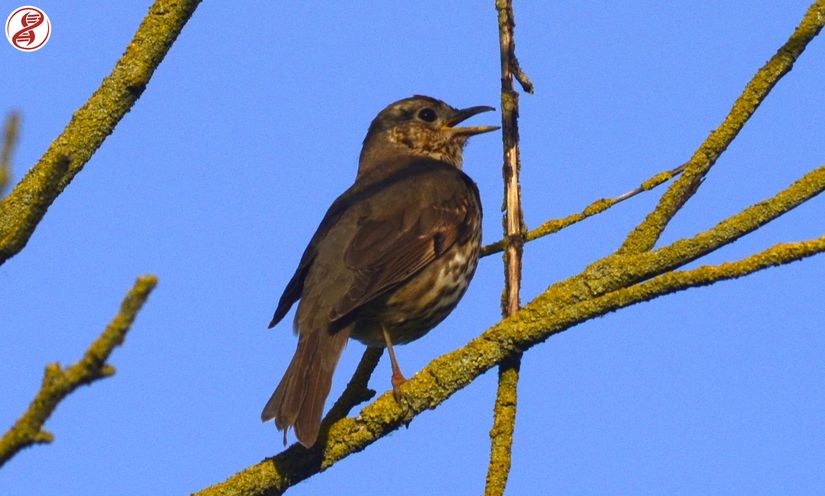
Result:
[[391, 258]]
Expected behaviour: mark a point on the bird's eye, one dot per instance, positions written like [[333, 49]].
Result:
[[427, 114]]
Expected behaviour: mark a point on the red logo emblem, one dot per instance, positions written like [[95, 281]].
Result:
[[28, 28]]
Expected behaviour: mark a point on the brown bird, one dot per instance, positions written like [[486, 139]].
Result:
[[391, 258]]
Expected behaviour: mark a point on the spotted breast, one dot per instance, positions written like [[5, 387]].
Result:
[[421, 303]]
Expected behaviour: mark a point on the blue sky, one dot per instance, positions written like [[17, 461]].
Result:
[[252, 126]]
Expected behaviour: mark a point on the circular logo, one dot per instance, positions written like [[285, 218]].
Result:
[[28, 28]]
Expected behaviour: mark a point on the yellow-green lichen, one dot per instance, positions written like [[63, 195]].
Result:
[[59, 382], [89, 126]]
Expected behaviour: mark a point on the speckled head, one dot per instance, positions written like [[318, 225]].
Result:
[[419, 126]]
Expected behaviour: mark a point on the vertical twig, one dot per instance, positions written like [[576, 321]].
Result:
[[504, 411]]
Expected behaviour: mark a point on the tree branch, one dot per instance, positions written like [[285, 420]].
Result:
[[59, 383], [595, 208], [780, 254], [627, 277], [614, 282], [445, 375], [616, 271], [504, 423], [10, 132], [300, 460], [26, 205], [356, 391], [645, 235], [504, 408]]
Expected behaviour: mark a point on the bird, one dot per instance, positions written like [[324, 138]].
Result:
[[391, 258]]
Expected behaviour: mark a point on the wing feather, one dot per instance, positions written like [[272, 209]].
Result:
[[384, 253]]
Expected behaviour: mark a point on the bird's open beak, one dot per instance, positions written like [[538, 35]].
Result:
[[464, 114]]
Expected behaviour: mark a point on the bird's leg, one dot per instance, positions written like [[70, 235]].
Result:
[[397, 376]]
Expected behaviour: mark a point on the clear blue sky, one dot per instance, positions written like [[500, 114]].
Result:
[[252, 126]]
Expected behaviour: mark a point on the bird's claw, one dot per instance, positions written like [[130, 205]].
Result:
[[397, 380]]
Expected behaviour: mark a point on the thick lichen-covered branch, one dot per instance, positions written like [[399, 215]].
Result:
[[300, 460], [59, 382], [609, 284], [595, 208], [616, 271], [26, 205], [780, 254], [445, 375], [10, 131], [645, 235], [618, 281]]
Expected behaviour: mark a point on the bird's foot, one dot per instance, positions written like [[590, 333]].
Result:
[[397, 380]]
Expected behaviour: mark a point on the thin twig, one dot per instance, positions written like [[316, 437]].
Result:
[[617, 270], [504, 408], [521, 76], [26, 205], [555, 225], [59, 382]]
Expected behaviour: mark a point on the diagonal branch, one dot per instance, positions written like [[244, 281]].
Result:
[[616, 271], [615, 282], [645, 235], [59, 382], [26, 205], [595, 208], [301, 460], [445, 375], [356, 391]]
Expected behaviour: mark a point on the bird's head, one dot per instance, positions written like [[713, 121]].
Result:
[[419, 126]]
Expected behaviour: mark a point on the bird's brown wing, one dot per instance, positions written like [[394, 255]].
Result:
[[295, 286], [386, 252]]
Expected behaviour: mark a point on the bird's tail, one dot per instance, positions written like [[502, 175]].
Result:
[[298, 401]]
